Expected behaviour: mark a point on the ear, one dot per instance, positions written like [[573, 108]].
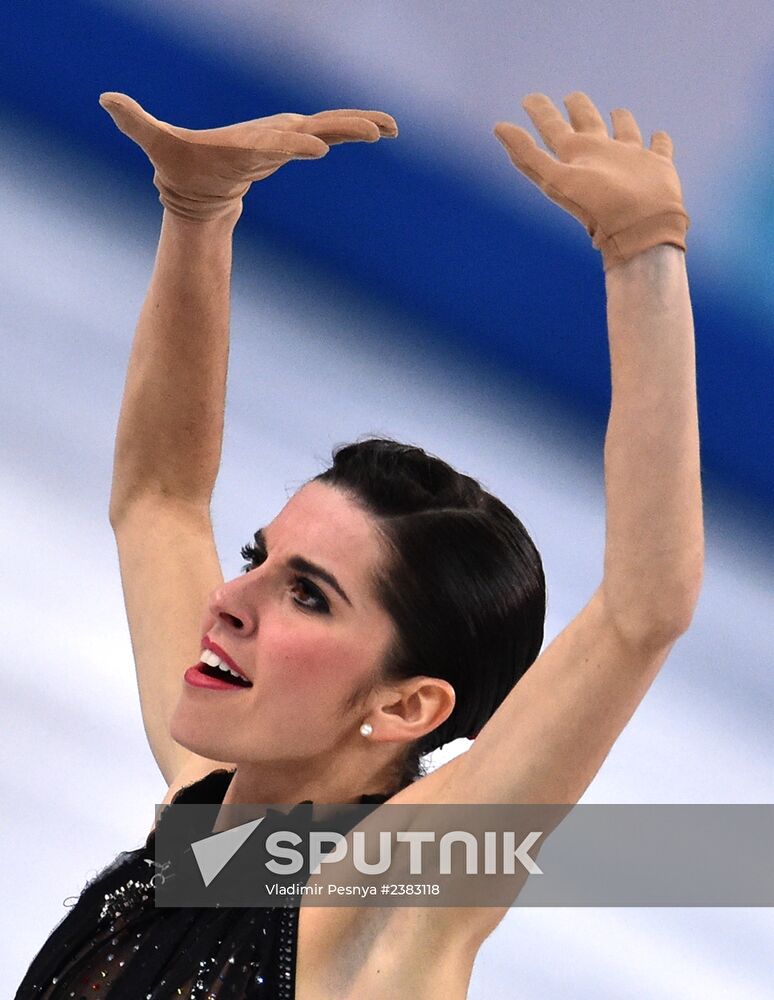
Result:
[[406, 711]]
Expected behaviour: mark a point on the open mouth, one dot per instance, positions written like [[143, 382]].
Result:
[[223, 674]]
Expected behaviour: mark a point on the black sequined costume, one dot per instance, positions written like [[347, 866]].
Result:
[[115, 943]]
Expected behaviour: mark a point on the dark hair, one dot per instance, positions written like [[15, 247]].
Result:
[[464, 582]]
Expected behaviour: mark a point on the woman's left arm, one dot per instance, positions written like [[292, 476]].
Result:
[[654, 549], [550, 736]]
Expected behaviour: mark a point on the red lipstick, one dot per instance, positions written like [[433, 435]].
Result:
[[196, 678]]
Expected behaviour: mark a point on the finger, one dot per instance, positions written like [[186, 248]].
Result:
[[341, 129], [547, 119], [661, 143], [385, 123], [125, 111], [583, 114], [625, 128], [524, 152], [288, 145]]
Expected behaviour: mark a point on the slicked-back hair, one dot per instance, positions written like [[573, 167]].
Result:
[[463, 583]]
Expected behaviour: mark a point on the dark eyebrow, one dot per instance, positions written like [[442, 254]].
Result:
[[302, 565]]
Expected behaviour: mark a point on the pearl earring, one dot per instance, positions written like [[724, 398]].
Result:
[[366, 729]]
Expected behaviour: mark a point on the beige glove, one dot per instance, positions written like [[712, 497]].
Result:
[[205, 173], [628, 197]]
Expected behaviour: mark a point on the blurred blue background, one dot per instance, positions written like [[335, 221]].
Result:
[[421, 288]]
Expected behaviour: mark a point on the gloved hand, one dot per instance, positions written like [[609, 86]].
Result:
[[628, 197], [205, 173]]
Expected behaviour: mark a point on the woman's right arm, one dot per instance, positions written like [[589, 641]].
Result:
[[166, 461], [171, 424]]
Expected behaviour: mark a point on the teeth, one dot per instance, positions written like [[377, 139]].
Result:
[[227, 670], [213, 660]]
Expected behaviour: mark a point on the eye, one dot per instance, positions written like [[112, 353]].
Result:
[[320, 604], [315, 599]]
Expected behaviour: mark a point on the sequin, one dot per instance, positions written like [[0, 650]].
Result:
[[114, 933]]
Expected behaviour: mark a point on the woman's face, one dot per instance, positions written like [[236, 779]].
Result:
[[306, 648]]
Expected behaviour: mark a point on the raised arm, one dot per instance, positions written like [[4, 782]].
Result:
[[654, 548], [166, 460], [550, 736], [168, 444]]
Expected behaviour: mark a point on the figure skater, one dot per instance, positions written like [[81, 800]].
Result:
[[393, 604]]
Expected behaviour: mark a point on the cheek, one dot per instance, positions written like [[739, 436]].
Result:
[[312, 662]]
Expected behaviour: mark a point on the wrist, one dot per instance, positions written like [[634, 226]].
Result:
[[646, 268], [669, 227], [199, 239], [648, 280], [226, 219]]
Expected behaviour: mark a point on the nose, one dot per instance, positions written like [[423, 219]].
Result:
[[230, 604]]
